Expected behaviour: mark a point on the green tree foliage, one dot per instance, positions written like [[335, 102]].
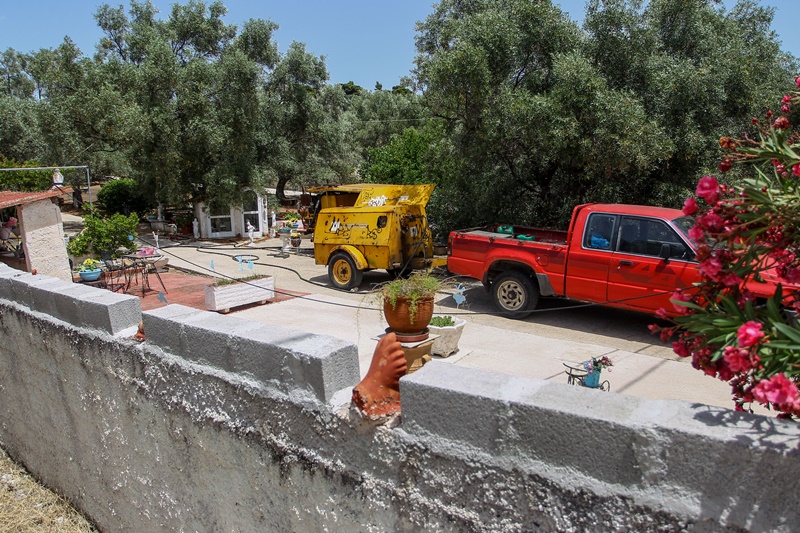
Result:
[[123, 196], [23, 180], [542, 116]]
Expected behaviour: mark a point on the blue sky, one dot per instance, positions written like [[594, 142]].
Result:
[[365, 41]]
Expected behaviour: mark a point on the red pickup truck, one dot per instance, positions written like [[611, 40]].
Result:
[[627, 256]]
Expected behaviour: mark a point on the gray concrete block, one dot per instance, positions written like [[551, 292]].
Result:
[[553, 423], [109, 311], [44, 291], [320, 364], [275, 356], [164, 327], [210, 338], [7, 274]]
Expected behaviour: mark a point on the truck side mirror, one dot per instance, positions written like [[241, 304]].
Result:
[[666, 252]]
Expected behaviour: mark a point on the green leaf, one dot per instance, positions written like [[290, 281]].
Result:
[[787, 330]]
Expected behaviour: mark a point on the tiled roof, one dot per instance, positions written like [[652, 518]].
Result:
[[14, 198]]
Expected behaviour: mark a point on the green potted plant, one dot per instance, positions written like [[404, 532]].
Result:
[[408, 302], [89, 270], [448, 331]]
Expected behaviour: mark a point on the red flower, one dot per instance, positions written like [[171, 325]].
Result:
[[797, 81], [781, 123], [738, 359], [708, 189], [680, 348], [796, 170], [724, 165], [690, 205], [749, 333], [777, 389]]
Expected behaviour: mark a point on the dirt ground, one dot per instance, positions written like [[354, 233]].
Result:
[[26, 506]]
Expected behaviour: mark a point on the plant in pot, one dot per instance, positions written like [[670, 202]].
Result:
[[90, 270], [408, 304], [449, 331]]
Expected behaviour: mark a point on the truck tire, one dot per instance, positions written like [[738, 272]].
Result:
[[343, 273], [514, 294]]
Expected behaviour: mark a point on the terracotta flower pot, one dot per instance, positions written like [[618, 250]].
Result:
[[401, 319]]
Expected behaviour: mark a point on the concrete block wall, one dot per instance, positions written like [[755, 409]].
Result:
[[217, 423]]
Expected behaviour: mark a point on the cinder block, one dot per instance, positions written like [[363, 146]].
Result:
[[510, 416], [320, 364], [164, 327], [272, 355], [7, 275], [43, 293], [109, 311]]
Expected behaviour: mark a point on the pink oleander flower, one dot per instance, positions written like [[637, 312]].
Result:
[[777, 389], [680, 297], [711, 221], [11, 222], [731, 280], [711, 268], [738, 359], [690, 205], [796, 170], [725, 165], [749, 333], [696, 233], [708, 189]]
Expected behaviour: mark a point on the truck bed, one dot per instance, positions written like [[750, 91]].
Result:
[[543, 250], [519, 233]]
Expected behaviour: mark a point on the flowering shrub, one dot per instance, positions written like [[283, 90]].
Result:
[[740, 322], [598, 364]]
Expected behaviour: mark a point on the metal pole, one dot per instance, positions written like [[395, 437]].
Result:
[[89, 186]]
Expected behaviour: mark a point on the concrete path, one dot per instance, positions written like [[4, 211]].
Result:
[[642, 366]]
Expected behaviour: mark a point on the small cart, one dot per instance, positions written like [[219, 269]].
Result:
[[577, 374]]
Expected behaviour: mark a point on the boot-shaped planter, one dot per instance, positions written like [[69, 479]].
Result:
[[378, 394]]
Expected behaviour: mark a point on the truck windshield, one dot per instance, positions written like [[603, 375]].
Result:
[[684, 224]]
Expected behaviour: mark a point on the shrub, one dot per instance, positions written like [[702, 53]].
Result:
[[123, 196], [748, 238]]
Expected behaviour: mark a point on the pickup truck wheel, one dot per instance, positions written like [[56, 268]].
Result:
[[343, 273], [514, 294]]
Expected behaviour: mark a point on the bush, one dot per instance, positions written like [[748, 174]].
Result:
[[101, 234], [123, 196]]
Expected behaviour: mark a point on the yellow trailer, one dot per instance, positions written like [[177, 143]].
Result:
[[368, 226]]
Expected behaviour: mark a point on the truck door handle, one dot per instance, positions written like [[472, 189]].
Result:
[[626, 262]]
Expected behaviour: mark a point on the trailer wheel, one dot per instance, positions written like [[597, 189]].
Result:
[[514, 295], [343, 273]]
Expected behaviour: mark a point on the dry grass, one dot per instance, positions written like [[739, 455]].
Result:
[[26, 506]]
